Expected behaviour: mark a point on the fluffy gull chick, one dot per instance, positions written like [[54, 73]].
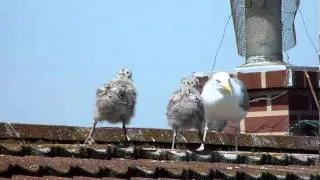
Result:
[[115, 102], [185, 110]]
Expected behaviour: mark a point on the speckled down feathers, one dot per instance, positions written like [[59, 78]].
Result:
[[185, 110], [115, 101]]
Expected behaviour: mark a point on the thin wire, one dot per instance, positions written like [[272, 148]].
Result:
[[221, 41], [308, 34], [277, 96], [260, 99]]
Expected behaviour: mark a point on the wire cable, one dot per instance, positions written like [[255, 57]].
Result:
[[221, 41], [307, 32]]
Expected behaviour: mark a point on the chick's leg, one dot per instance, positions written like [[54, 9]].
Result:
[[236, 134], [89, 139], [174, 136], [201, 148], [124, 130]]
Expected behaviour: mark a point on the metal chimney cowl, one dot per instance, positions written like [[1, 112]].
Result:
[[264, 28]]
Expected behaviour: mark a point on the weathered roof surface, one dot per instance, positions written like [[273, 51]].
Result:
[[39, 151]]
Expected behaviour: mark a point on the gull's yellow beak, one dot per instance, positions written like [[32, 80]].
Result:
[[227, 87]]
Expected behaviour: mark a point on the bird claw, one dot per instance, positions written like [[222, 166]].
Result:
[[201, 148], [89, 141], [183, 138], [127, 138], [125, 142]]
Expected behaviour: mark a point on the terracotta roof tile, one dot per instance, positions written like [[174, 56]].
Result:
[[56, 152], [124, 168], [114, 151], [16, 177]]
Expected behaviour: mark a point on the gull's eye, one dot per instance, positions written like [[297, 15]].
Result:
[[218, 81]]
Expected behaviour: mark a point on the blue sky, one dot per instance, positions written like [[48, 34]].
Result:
[[55, 53]]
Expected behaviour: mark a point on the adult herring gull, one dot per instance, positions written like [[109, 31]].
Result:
[[185, 110], [115, 102], [224, 98]]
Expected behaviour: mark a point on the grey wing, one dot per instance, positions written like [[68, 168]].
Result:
[[105, 89], [132, 95], [199, 109], [240, 90], [102, 91], [122, 91], [172, 101], [127, 93], [217, 125]]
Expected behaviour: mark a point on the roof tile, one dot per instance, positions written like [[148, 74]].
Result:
[[60, 154], [114, 151], [124, 168]]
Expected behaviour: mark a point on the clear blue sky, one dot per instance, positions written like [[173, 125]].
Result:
[[55, 53]]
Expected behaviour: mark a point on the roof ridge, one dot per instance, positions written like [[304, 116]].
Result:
[[160, 138]]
